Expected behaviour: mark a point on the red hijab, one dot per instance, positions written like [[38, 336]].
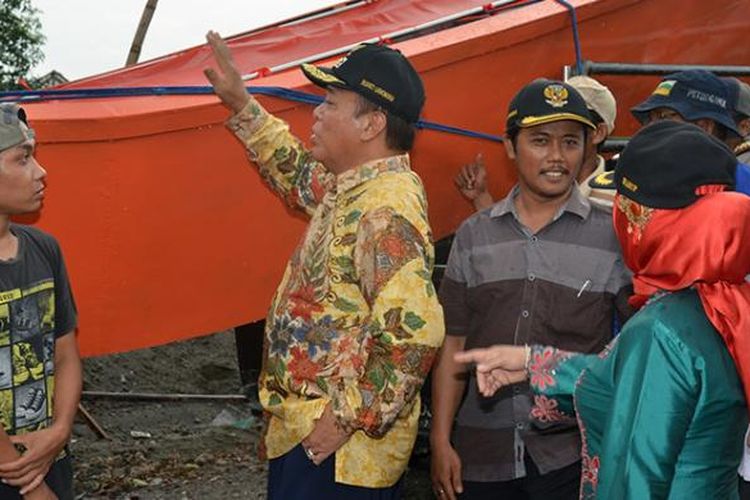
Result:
[[705, 245]]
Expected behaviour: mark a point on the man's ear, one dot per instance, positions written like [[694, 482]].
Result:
[[744, 126], [599, 134], [373, 124], [510, 150]]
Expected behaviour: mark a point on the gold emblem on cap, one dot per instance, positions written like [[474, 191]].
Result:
[[321, 76], [378, 90], [632, 186], [556, 95]]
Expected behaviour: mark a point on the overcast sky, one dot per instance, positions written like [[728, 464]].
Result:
[[87, 37]]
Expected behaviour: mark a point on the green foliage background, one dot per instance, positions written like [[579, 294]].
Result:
[[21, 41]]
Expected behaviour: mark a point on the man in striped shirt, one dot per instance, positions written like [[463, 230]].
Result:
[[540, 266]]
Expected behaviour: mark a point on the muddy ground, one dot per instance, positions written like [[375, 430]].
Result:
[[178, 449]]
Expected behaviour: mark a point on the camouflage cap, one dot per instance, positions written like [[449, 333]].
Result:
[[14, 129]]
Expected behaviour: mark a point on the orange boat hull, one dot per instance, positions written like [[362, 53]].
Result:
[[170, 234]]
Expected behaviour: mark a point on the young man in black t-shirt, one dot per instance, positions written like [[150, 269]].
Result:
[[40, 368]]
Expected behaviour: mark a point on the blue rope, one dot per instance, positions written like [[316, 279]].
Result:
[[422, 124], [288, 94], [576, 39]]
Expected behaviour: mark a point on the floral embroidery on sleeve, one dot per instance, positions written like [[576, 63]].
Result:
[[589, 463], [589, 466], [590, 471], [542, 365], [545, 410]]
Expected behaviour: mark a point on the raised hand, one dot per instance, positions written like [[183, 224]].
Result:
[[226, 81], [497, 366], [472, 182]]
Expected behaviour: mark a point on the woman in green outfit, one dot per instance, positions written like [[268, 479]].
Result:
[[662, 410]]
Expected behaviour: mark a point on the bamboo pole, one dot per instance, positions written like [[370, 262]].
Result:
[[140, 33]]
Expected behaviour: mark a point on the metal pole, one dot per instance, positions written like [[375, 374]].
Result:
[[140, 33], [615, 68]]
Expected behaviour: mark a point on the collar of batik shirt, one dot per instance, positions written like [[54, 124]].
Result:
[[370, 170]]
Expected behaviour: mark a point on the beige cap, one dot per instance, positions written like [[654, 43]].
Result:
[[598, 98]]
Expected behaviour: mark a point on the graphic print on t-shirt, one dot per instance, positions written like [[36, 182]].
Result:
[[27, 352]]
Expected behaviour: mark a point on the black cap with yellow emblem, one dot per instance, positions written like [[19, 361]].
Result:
[[666, 162], [379, 74], [545, 101]]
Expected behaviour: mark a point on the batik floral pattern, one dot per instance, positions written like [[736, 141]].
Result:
[[285, 165], [355, 322]]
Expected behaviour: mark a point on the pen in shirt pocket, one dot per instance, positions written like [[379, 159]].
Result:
[[585, 285]]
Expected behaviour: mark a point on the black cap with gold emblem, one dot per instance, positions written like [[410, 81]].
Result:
[[379, 74], [546, 101]]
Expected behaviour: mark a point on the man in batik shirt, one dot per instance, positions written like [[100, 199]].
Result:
[[355, 323]]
